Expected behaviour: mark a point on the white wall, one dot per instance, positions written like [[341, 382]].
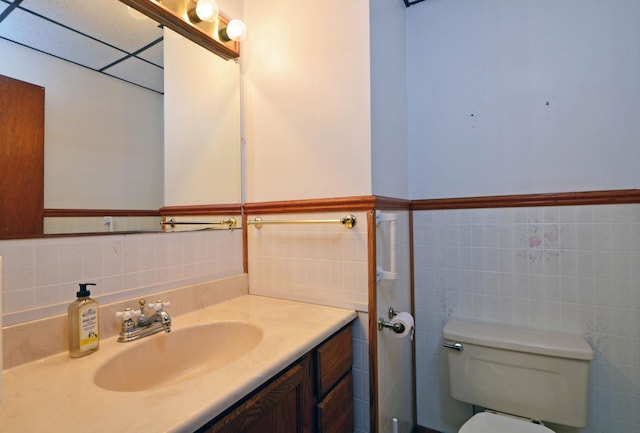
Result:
[[389, 136], [308, 117], [103, 137], [523, 97]]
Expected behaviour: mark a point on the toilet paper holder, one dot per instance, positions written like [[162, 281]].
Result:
[[398, 328]]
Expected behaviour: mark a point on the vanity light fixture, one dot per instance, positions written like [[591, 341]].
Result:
[[203, 10], [236, 30], [197, 20]]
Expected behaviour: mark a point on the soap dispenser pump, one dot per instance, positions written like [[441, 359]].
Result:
[[83, 323]]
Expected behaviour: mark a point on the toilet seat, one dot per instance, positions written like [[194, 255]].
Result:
[[488, 422]]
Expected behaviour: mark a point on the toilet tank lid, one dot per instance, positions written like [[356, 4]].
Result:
[[518, 339]]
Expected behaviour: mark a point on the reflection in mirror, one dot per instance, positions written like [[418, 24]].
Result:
[[202, 157], [105, 144], [103, 105], [101, 35]]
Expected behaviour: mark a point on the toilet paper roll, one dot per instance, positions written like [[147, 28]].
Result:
[[406, 319]]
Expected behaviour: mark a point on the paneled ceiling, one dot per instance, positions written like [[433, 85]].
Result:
[[102, 35]]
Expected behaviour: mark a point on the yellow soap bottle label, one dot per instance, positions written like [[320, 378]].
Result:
[[88, 327]]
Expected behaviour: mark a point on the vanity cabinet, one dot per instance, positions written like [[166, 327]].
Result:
[[279, 407], [314, 395], [334, 384]]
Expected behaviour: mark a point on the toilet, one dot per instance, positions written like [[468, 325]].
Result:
[[522, 377]]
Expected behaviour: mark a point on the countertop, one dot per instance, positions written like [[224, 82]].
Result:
[[58, 393]]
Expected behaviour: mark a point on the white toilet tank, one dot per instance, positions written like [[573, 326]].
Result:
[[534, 374]]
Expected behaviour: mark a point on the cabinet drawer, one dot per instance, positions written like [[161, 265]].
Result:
[[335, 412], [333, 359]]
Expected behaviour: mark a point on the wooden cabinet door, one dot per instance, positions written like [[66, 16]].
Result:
[[334, 384], [336, 411], [21, 159], [280, 407], [333, 359]]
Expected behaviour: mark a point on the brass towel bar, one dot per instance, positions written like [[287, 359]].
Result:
[[348, 221], [231, 222]]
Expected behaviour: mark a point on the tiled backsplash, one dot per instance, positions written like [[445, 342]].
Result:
[[569, 268], [41, 276], [321, 263]]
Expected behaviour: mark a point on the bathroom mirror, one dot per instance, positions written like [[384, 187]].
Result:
[[116, 131]]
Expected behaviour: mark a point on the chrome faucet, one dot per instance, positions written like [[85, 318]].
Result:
[[136, 324]]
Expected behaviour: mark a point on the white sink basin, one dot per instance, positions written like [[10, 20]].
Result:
[[164, 359]]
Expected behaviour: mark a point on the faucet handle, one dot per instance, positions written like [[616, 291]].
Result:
[[127, 314], [159, 305]]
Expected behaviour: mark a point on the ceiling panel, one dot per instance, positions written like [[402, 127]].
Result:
[[92, 33], [154, 54], [106, 20], [34, 32], [136, 70]]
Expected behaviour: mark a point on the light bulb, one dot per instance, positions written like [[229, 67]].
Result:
[[236, 30], [207, 10]]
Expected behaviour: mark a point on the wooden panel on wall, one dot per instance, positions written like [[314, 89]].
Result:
[[315, 205], [356, 203], [531, 200], [210, 209], [21, 159], [52, 213]]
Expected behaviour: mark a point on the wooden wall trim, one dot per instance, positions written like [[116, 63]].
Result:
[[388, 203], [531, 200], [56, 213], [355, 203], [369, 202], [373, 321], [498, 201], [208, 209], [213, 209], [412, 286]]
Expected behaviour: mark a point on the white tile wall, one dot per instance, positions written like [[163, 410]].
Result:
[[361, 373], [318, 263], [41, 276], [574, 269], [321, 263]]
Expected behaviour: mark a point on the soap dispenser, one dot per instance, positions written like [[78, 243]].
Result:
[[83, 323]]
